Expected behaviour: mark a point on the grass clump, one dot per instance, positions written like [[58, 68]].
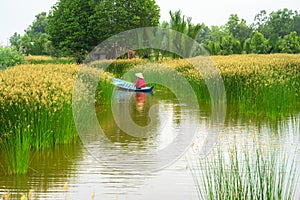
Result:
[[261, 85], [35, 111], [249, 174]]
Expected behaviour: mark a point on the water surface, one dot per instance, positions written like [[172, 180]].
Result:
[[103, 168]]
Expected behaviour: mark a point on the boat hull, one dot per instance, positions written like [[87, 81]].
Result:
[[125, 85]]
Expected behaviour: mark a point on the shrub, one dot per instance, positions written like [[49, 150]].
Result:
[[10, 57]]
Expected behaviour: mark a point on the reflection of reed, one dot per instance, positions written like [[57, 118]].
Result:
[[48, 172]]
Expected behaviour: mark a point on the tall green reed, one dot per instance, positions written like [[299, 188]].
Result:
[[104, 91], [267, 90], [25, 130], [263, 87], [16, 150], [249, 174], [35, 111]]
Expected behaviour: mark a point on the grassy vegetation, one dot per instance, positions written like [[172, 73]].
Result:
[[36, 98], [251, 173], [16, 151], [260, 85], [48, 60], [104, 92], [36, 111]]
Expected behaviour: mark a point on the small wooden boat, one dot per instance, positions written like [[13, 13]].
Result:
[[129, 86]]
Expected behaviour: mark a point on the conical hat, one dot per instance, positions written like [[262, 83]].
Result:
[[140, 75]]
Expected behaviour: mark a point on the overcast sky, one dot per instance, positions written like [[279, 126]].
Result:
[[17, 15]]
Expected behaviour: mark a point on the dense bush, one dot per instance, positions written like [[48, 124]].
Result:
[[10, 57]]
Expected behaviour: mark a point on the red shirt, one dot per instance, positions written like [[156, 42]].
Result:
[[140, 83]]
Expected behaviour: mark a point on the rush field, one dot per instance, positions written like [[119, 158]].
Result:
[[36, 97]]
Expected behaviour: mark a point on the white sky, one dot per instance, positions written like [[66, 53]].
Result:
[[17, 15]]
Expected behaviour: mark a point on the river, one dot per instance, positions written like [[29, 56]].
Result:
[[149, 162]]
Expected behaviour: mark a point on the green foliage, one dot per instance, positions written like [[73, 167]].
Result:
[[36, 40], [48, 60], [10, 57], [70, 28], [276, 25], [259, 85], [213, 48], [119, 67], [296, 24], [74, 28], [15, 41], [280, 23], [77, 26], [258, 43], [124, 15], [230, 45], [237, 28], [35, 112], [121, 15], [183, 25], [266, 35], [38, 26], [25, 44], [290, 43], [33, 130]]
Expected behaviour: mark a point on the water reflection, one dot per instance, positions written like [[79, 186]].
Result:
[[140, 127], [140, 100], [51, 169]]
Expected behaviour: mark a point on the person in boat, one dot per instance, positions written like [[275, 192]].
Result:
[[140, 81]]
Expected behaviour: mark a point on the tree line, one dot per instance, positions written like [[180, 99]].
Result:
[[74, 27], [277, 32]]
